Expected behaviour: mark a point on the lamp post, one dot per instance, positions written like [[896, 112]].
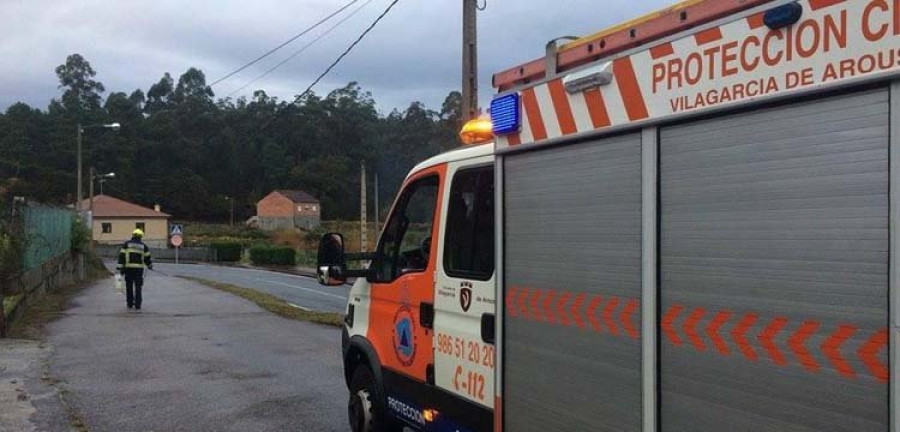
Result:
[[80, 133]]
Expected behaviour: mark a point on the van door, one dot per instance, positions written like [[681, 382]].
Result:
[[402, 297], [572, 275], [465, 299]]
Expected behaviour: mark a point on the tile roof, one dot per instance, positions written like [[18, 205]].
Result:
[[298, 196], [107, 206]]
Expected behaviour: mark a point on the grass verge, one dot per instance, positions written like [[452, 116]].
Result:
[[272, 304]]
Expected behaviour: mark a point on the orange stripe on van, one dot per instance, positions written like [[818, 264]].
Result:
[[811, 344], [756, 20], [821, 4], [630, 90], [514, 139], [533, 111], [597, 108], [708, 36], [563, 108], [661, 51]]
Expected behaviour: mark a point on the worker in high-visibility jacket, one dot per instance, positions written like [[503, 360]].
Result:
[[133, 258]]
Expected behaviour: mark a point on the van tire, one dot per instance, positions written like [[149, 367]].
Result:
[[364, 408]]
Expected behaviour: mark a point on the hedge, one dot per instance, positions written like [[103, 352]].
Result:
[[269, 255], [227, 251]]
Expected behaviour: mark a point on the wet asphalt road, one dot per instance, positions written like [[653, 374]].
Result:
[[299, 290], [195, 359]]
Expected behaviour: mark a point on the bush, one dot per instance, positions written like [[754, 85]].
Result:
[[290, 237], [227, 251], [81, 235], [269, 255], [307, 258], [12, 250], [313, 236]]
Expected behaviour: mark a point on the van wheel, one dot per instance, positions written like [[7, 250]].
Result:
[[363, 408]]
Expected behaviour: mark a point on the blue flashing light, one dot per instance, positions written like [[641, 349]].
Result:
[[783, 16], [505, 114]]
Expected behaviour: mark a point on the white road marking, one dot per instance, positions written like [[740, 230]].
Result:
[[263, 271], [240, 269], [298, 306], [299, 288], [224, 269]]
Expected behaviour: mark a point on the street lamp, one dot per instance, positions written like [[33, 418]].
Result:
[[81, 129], [102, 178]]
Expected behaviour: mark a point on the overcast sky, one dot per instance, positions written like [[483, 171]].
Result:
[[413, 54]]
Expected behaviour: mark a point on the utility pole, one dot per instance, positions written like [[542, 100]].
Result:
[[363, 233], [470, 61], [377, 208], [231, 213], [80, 185], [91, 176], [90, 218]]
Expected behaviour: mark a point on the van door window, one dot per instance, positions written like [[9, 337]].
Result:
[[469, 251], [406, 241]]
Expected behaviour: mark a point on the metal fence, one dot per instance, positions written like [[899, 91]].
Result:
[[48, 232], [198, 254]]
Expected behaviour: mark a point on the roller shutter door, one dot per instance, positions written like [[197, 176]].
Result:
[[572, 287], [774, 268]]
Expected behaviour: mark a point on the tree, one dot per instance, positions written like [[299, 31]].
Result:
[[451, 109], [192, 89], [276, 165], [182, 148], [137, 98], [159, 97], [82, 92], [121, 107]]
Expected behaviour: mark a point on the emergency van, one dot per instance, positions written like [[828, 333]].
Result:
[[687, 222]]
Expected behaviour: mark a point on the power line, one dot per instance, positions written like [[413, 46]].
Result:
[[331, 66], [304, 48], [320, 22]]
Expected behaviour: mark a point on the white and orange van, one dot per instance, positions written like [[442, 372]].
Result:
[[419, 328], [687, 222]]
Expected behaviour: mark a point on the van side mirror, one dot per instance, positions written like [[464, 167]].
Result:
[[331, 262]]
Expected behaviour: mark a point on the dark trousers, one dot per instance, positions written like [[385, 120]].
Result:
[[134, 281]]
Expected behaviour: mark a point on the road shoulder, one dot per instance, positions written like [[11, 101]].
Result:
[[30, 398], [195, 358], [273, 304]]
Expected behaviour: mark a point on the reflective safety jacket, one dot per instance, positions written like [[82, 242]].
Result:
[[134, 255]]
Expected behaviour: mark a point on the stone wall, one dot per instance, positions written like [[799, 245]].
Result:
[[17, 291]]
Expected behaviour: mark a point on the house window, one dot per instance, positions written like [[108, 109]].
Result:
[[106, 227], [141, 226], [299, 208]]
